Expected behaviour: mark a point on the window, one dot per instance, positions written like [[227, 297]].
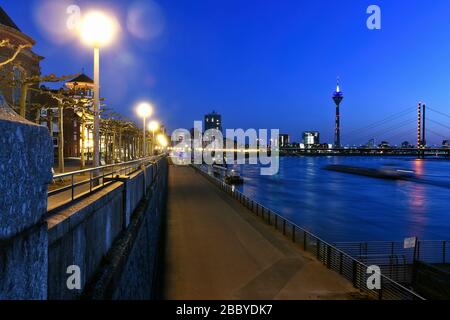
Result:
[[17, 77]]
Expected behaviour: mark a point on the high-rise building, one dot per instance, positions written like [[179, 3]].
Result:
[[284, 140], [213, 121], [338, 96], [311, 138]]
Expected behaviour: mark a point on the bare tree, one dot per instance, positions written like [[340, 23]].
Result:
[[5, 43], [27, 82]]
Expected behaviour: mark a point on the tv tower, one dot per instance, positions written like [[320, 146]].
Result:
[[338, 96]]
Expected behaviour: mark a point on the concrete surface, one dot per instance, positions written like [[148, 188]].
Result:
[[217, 249], [25, 172]]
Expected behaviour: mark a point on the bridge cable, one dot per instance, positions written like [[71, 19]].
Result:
[[380, 122], [390, 129]]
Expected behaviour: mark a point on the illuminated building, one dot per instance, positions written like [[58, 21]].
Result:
[[284, 140], [310, 138], [78, 124], [213, 121]]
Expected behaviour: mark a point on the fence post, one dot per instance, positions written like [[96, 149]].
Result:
[[284, 227], [355, 273], [318, 249], [443, 251], [380, 292], [293, 233], [341, 256], [305, 238], [73, 190], [328, 257]]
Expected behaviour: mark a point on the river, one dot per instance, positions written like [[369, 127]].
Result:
[[344, 207]]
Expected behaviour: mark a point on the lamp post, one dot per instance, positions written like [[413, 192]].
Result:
[[144, 110], [153, 126], [97, 30]]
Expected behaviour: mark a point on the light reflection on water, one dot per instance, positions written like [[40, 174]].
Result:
[[344, 207]]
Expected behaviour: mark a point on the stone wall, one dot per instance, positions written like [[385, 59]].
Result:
[[81, 237], [87, 233], [111, 235], [138, 277], [25, 169]]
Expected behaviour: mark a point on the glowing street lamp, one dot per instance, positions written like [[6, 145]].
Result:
[[97, 30], [162, 140], [153, 127], [144, 110]]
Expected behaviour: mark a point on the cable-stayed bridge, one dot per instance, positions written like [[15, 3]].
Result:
[[418, 130]]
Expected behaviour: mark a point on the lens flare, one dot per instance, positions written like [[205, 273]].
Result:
[[145, 20], [56, 20]]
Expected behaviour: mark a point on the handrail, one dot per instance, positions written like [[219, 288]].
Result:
[[97, 178], [67, 174], [328, 246]]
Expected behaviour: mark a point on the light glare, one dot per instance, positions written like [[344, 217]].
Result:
[[162, 140], [153, 126], [97, 29], [144, 110]]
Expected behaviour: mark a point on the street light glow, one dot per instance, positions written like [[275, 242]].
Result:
[[97, 29], [162, 140], [144, 110], [153, 126]]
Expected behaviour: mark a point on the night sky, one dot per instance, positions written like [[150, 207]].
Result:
[[261, 64]]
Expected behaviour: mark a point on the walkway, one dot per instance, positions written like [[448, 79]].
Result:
[[216, 249]]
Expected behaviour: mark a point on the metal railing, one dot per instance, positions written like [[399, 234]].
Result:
[[396, 261], [428, 251], [77, 184], [333, 258]]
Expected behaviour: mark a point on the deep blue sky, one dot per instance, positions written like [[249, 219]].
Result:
[[264, 64]]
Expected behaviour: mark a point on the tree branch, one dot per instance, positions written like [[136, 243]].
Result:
[[18, 50]]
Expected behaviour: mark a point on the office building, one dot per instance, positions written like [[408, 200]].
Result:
[[310, 138], [284, 141], [213, 121]]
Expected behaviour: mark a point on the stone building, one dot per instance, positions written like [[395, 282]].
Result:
[[26, 64]]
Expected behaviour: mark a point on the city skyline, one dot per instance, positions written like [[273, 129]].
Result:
[[259, 66], [229, 152]]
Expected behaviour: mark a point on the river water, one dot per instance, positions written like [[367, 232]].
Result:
[[344, 207]]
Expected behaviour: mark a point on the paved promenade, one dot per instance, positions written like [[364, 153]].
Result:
[[217, 249]]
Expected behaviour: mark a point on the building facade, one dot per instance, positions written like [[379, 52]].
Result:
[[26, 64], [213, 121], [77, 122], [310, 138], [284, 141]]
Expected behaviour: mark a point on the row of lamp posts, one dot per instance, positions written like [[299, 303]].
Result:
[[98, 30], [145, 110]]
